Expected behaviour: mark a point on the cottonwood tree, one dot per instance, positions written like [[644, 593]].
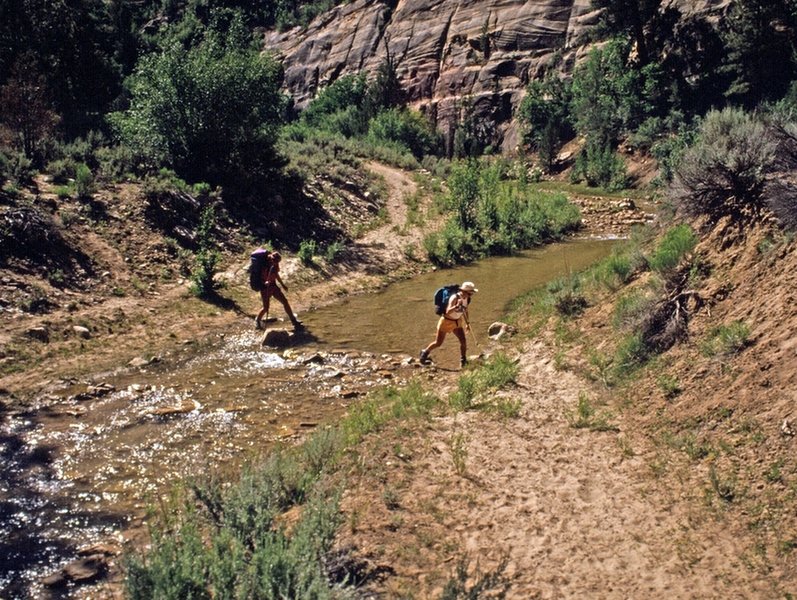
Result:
[[27, 109], [211, 112]]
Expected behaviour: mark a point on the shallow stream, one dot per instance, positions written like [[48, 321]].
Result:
[[80, 467]]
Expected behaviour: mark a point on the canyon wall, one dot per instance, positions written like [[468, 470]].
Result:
[[453, 54]]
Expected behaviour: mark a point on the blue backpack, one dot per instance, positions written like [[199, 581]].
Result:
[[442, 296]]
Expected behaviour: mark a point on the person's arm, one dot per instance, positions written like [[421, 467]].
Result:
[[282, 283]]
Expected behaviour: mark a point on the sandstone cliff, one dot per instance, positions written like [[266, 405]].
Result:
[[453, 53]]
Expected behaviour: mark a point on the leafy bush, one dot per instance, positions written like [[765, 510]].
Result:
[[406, 127], [307, 250], [669, 150], [338, 107], [115, 162], [599, 165], [545, 117], [84, 181], [16, 167], [723, 173], [61, 170], [210, 112], [332, 251], [207, 257], [493, 215]]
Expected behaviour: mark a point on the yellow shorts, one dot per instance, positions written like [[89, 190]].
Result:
[[447, 325]]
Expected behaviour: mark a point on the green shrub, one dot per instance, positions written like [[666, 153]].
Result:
[[84, 181], [630, 309], [631, 353], [333, 251], [307, 250], [207, 257], [406, 127], [586, 416], [723, 173], [116, 163], [61, 170], [16, 167], [210, 111], [677, 243], [727, 340], [600, 166], [496, 373], [545, 117]]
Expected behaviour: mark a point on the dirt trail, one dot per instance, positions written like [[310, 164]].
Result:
[[576, 513]]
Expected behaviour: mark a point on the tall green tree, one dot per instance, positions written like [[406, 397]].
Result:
[[211, 112], [545, 115], [72, 41], [761, 38], [27, 108], [630, 17]]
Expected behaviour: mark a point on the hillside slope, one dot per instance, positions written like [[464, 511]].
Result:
[[689, 495]]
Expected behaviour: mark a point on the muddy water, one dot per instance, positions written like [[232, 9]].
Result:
[[401, 318], [81, 466]]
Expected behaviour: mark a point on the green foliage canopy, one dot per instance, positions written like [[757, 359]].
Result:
[[211, 112]]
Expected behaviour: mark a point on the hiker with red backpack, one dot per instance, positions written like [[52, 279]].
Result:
[[452, 304], [264, 277]]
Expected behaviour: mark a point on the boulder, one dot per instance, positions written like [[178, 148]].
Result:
[[278, 338], [39, 333], [498, 330], [81, 331]]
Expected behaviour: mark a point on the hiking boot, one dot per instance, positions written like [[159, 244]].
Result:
[[297, 324], [424, 357], [258, 324], [463, 361]]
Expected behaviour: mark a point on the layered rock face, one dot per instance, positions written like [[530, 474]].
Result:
[[456, 56]]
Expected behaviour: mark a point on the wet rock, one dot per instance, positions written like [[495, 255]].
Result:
[[315, 358], [99, 390], [38, 333], [165, 411], [68, 409], [94, 391], [278, 338], [81, 331], [103, 548], [84, 570], [138, 362]]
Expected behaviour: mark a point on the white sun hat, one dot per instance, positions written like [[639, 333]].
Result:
[[468, 286]]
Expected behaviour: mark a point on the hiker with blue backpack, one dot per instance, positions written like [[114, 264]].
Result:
[[264, 275], [451, 304]]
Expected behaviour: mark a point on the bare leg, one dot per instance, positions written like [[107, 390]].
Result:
[[265, 297], [277, 293], [441, 335], [463, 346]]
